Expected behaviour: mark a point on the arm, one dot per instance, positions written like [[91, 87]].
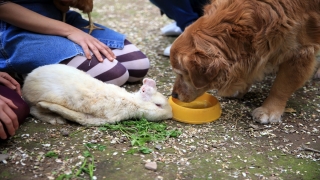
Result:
[[12, 13]]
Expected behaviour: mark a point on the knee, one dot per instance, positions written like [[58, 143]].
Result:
[[115, 73], [120, 79], [139, 70]]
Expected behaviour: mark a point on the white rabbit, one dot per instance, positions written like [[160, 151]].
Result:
[[59, 92]]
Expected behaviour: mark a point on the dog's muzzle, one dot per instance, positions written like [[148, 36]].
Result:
[[174, 95]]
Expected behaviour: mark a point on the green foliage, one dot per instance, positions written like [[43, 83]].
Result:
[[87, 167], [96, 146], [145, 150], [87, 154], [140, 132], [64, 176], [51, 154]]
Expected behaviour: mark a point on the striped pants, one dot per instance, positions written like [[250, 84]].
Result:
[[131, 65]]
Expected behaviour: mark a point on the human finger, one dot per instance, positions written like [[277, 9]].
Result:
[[17, 86], [7, 121], [3, 134], [107, 52], [18, 90], [86, 50], [7, 102], [96, 52], [98, 48], [7, 80], [7, 115], [10, 82], [13, 117]]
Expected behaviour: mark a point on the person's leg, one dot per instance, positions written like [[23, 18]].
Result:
[[23, 108], [130, 60], [134, 60], [171, 29], [179, 10], [183, 12], [197, 6], [70, 53], [131, 65], [108, 72]]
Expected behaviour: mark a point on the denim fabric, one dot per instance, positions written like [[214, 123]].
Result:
[[22, 51], [184, 12]]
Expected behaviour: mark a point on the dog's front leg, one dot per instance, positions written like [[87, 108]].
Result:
[[317, 74], [291, 76]]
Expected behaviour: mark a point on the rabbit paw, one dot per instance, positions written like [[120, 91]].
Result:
[[57, 120]]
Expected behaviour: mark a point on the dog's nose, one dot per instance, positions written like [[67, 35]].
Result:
[[174, 95]]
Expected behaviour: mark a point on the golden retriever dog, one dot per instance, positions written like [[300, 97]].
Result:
[[237, 42]]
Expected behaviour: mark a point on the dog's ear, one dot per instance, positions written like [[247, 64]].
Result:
[[313, 27], [206, 61], [211, 7], [203, 69]]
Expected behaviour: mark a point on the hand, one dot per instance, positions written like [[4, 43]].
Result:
[[88, 42], [11, 83], [7, 117]]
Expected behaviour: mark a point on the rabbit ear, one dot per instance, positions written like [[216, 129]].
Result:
[[146, 92], [149, 82]]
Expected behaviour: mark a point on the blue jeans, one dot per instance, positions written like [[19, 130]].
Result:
[[184, 12], [21, 51]]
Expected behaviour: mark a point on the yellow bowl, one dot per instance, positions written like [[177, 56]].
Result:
[[204, 109]]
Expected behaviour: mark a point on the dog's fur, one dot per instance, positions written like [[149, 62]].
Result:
[[237, 42], [58, 92]]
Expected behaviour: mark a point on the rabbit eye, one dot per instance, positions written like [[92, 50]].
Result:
[[159, 105]]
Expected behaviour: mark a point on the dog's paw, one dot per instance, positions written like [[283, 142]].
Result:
[[263, 116]]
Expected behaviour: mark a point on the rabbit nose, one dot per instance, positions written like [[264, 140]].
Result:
[[174, 95]]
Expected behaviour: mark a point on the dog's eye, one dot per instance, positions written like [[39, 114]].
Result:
[[178, 75]]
